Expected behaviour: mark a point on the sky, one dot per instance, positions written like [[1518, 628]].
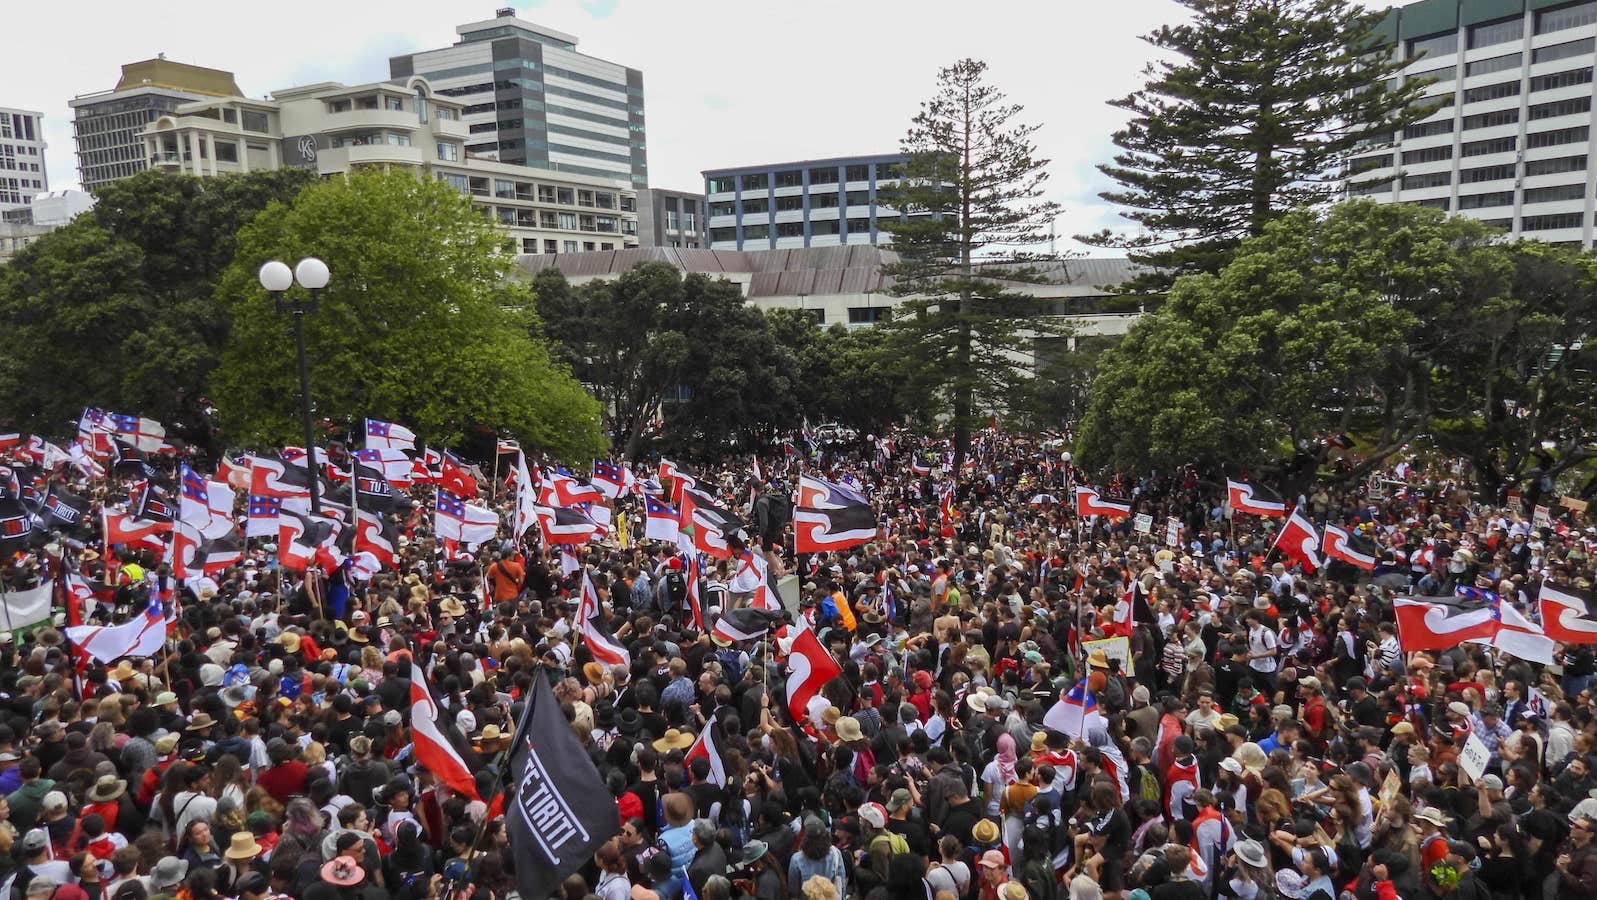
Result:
[[726, 82]]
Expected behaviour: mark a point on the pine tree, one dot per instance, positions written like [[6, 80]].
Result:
[[972, 192], [1257, 114]]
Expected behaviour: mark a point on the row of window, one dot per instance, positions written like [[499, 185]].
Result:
[[1503, 31], [759, 181], [1534, 140]]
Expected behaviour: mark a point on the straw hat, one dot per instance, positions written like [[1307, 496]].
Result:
[[674, 739], [243, 846], [343, 871], [289, 641], [107, 788], [451, 606], [848, 729], [1039, 741], [202, 721], [1432, 815], [123, 671], [985, 832], [1098, 659], [593, 671], [490, 735]]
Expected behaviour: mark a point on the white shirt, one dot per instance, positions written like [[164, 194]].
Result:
[[1262, 640]]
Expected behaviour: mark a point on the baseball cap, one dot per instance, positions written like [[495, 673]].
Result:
[[36, 839], [874, 815]]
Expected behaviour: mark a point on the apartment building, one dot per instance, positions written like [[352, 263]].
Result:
[[810, 203], [22, 170], [1511, 141], [405, 123], [531, 98], [671, 218], [108, 127]]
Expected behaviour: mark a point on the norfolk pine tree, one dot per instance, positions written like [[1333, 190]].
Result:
[[1257, 114], [972, 188]]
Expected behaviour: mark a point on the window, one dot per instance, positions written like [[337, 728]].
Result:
[[1486, 173], [1505, 224], [790, 178], [827, 200], [690, 222], [1566, 17], [1496, 145], [823, 226], [755, 182], [1556, 192], [604, 200], [1487, 120], [1554, 138], [789, 229], [589, 246], [756, 232], [1492, 92], [1368, 163], [1560, 79], [723, 235], [859, 198], [723, 185], [1489, 33], [1482, 201], [859, 226], [505, 189], [788, 204], [1429, 154], [1492, 64], [866, 315], [1432, 180], [1438, 203], [226, 151], [819, 315], [1548, 223], [1427, 129], [755, 205], [568, 221], [886, 171], [1435, 45], [551, 246], [448, 152], [1562, 51], [338, 106], [1568, 107], [1555, 166], [858, 173], [823, 176], [723, 208], [569, 247], [458, 182], [567, 196], [394, 104]]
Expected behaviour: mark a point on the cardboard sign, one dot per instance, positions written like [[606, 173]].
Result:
[[1514, 498], [1144, 523], [1474, 756], [1574, 504], [1172, 533], [1116, 648], [1542, 517]]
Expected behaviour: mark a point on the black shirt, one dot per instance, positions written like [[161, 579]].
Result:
[[915, 834]]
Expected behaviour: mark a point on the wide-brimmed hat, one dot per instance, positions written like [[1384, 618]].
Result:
[[674, 739], [1252, 853], [451, 606], [629, 722], [167, 743], [243, 846], [289, 641], [752, 851], [848, 729], [490, 734], [107, 788], [168, 872], [593, 671], [164, 698], [202, 721], [985, 832], [343, 871], [1098, 659], [122, 672], [1432, 815], [49, 637]]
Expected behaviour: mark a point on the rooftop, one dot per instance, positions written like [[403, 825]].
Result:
[[893, 156]]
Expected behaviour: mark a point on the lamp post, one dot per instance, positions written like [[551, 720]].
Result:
[[277, 278]]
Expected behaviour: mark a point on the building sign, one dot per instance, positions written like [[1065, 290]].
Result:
[[300, 150]]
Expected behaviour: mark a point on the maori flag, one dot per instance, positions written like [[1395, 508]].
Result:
[[557, 809]]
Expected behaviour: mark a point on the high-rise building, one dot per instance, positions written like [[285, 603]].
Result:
[[109, 126], [531, 98], [670, 218], [1511, 142], [812, 203], [22, 172], [401, 124]]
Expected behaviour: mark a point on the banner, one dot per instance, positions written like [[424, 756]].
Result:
[[1144, 523], [29, 607], [1115, 648], [557, 808], [1172, 533]]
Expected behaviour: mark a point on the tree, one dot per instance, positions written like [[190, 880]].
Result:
[[419, 323], [852, 376], [117, 309], [972, 189], [1258, 114], [1389, 322]]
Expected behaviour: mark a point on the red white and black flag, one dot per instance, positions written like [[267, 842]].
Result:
[[1255, 500], [431, 746], [744, 624], [1299, 541], [558, 810], [565, 526], [1353, 549], [1568, 613], [605, 648], [809, 667], [1089, 503], [1438, 623], [820, 530]]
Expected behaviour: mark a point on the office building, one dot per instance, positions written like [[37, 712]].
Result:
[[22, 172], [402, 124], [813, 203], [530, 98], [1511, 143], [51, 208], [670, 219], [108, 127]]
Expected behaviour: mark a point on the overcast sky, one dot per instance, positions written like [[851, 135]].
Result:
[[726, 82]]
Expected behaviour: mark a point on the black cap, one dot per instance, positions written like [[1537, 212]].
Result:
[[253, 883]]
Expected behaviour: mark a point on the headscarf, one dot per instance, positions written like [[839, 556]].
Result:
[[1006, 758]]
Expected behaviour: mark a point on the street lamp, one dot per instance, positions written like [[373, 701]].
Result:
[[277, 278]]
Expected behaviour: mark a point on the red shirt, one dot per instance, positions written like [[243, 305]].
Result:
[[284, 781]]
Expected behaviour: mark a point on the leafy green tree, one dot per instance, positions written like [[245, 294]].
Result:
[[852, 376], [418, 324], [1258, 111], [973, 191], [1389, 322], [117, 310]]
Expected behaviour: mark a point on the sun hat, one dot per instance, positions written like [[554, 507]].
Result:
[[1403, 728], [168, 872], [1098, 659], [1230, 764], [243, 846], [848, 729], [674, 739], [343, 871], [1432, 815], [107, 788], [1289, 884], [985, 832], [1252, 853]]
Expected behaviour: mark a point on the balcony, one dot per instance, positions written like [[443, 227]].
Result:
[[448, 128], [167, 159], [369, 119], [342, 159]]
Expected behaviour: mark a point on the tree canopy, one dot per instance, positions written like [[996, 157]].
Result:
[[116, 309], [418, 324], [1254, 111], [1390, 322]]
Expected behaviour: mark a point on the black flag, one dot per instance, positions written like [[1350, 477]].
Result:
[[16, 525], [63, 509], [557, 809]]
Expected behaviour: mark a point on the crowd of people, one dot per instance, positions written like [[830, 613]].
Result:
[[1263, 735]]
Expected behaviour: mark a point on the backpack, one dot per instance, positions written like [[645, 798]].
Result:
[[1148, 786], [895, 842], [1039, 880], [731, 660]]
